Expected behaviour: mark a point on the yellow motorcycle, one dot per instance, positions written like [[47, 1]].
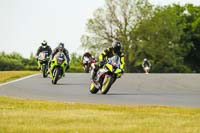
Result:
[[106, 76], [43, 60]]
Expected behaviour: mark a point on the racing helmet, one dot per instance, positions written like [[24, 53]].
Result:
[[61, 46], [44, 44], [116, 45]]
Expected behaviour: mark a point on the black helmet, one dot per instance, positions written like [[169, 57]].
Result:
[[44, 43], [116, 46], [61, 46]]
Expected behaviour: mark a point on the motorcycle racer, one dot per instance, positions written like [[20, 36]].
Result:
[[108, 53]]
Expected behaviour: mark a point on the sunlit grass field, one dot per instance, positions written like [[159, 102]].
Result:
[[36, 116], [11, 75]]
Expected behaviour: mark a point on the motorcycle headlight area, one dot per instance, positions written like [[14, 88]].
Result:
[[60, 61], [86, 60]]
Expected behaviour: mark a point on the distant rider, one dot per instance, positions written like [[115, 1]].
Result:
[[146, 65], [109, 53], [89, 55], [44, 47]]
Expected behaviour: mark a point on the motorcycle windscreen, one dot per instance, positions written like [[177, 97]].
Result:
[[114, 61], [60, 57], [86, 60], [43, 55]]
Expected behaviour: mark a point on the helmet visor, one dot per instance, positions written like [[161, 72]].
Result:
[[44, 44], [60, 49]]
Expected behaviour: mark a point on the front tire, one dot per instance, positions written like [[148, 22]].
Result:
[[107, 82], [56, 75], [87, 68], [44, 71], [93, 89]]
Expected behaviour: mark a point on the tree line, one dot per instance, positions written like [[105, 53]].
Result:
[[14, 61], [169, 36]]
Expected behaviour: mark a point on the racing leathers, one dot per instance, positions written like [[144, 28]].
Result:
[[103, 57], [41, 49], [146, 64]]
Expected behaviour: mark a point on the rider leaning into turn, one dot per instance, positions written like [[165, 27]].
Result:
[[60, 48], [108, 53]]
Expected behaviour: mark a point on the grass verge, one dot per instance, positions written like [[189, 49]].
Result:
[[18, 115], [6, 76]]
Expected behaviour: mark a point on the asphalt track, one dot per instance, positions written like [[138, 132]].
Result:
[[131, 89]]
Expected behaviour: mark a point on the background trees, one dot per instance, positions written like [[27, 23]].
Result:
[[15, 61], [168, 36], [191, 37], [116, 20]]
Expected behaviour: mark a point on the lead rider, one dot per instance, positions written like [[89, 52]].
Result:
[[109, 53]]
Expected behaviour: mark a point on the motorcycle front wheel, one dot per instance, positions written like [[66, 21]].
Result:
[[87, 68], [93, 89], [107, 82], [56, 75], [44, 71]]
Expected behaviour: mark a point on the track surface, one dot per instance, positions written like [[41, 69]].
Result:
[[132, 89]]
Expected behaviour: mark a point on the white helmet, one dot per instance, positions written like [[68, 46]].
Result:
[[44, 44], [145, 59]]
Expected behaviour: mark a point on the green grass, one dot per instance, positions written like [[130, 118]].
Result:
[[33, 116], [11, 75]]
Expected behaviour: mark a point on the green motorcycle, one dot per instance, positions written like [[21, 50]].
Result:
[[58, 67], [106, 76], [43, 60]]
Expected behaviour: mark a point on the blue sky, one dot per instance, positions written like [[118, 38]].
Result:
[[24, 24]]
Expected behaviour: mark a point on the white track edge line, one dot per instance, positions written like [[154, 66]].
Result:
[[16, 80]]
